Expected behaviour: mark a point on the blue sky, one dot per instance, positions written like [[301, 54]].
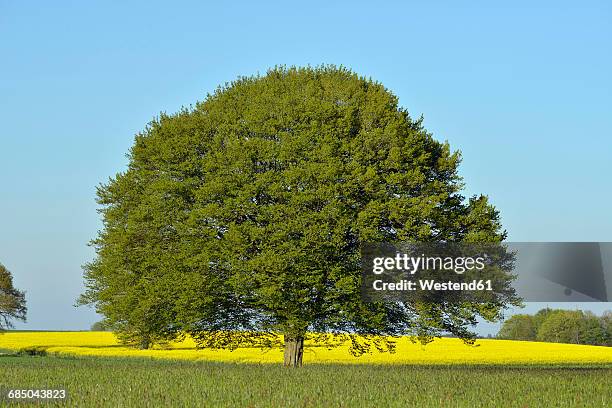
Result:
[[524, 92]]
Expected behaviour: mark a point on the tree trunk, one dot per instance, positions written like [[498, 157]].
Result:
[[294, 350], [144, 343]]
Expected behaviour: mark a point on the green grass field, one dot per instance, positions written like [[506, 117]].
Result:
[[114, 382]]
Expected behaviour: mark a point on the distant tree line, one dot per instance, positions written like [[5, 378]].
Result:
[[560, 326]]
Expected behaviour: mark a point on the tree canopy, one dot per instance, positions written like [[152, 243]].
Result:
[[518, 327], [12, 301], [242, 217]]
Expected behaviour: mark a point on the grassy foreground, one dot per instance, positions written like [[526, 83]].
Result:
[[442, 351], [135, 382]]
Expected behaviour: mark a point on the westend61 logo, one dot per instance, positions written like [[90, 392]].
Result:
[[435, 272], [403, 264], [460, 272]]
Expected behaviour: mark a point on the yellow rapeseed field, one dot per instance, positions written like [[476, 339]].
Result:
[[441, 351]]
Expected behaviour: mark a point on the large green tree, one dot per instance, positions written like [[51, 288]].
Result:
[[241, 218], [12, 300]]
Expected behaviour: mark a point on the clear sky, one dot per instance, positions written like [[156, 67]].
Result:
[[524, 92]]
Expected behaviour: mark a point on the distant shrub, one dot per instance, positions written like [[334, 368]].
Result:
[[100, 326], [32, 351]]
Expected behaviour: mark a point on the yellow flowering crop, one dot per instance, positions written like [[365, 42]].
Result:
[[441, 351]]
